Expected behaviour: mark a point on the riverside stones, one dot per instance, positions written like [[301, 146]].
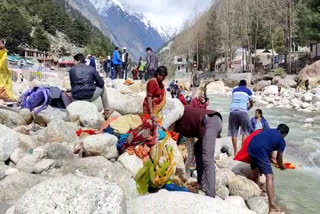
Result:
[[43, 165], [216, 88], [49, 114], [259, 205], [60, 131], [101, 145], [131, 162], [241, 186], [58, 151], [271, 90], [26, 115], [72, 194], [9, 141], [172, 111], [11, 118]]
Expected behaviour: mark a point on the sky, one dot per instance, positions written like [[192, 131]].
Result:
[[170, 14]]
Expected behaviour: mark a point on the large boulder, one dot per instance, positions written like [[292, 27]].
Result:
[[17, 155], [259, 205], [27, 163], [311, 73], [11, 118], [49, 114], [216, 87], [222, 176], [60, 131], [261, 85], [223, 192], [15, 185], [58, 151], [72, 194], [119, 85], [131, 162], [3, 169], [182, 202], [172, 111], [125, 103], [307, 97], [101, 145], [233, 79], [241, 186], [271, 90], [9, 141], [100, 167], [85, 112]]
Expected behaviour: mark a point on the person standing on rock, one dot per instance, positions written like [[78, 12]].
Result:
[[206, 125], [87, 85], [306, 84], [117, 62], [141, 67], [156, 93], [260, 150], [241, 102], [152, 63], [195, 81], [125, 61]]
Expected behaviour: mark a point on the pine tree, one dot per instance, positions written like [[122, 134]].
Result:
[[41, 40]]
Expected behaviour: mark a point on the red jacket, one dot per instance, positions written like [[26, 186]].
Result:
[[182, 100]]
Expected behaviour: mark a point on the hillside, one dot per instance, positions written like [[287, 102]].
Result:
[[41, 23]]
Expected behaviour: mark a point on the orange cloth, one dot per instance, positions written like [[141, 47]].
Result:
[[142, 152]]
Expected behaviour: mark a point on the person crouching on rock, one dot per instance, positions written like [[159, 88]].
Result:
[[260, 150], [87, 85], [156, 93], [206, 125]]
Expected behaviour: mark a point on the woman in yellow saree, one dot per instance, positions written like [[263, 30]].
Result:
[[156, 94], [5, 75]]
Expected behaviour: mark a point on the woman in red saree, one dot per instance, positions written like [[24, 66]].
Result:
[[156, 93]]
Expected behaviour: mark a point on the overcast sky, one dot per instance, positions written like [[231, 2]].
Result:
[[168, 13]]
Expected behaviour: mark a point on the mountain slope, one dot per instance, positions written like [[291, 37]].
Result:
[[125, 27]]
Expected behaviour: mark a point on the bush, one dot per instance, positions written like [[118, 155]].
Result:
[[278, 71]]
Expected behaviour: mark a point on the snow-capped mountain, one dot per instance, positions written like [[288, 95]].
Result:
[[126, 27]]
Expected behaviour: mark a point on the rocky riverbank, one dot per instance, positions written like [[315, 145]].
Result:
[[39, 173]]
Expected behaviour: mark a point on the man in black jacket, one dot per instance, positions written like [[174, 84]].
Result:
[[87, 85]]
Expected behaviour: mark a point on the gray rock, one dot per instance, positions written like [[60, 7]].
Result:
[[262, 84], [101, 145], [15, 185], [27, 163], [223, 192], [23, 129], [8, 142], [72, 194], [43, 165], [58, 151], [182, 202], [241, 186], [3, 169], [85, 112], [222, 176], [259, 205], [60, 131], [11, 119], [26, 115], [10, 171], [131, 162], [49, 114], [17, 155], [233, 79]]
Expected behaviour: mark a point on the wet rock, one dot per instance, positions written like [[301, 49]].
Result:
[[58, 151], [131, 162], [85, 112], [241, 186], [259, 205], [49, 114], [72, 194], [8, 142], [101, 145], [11, 119], [15, 185], [26, 115], [60, 131], [43, 165], [166, 202]]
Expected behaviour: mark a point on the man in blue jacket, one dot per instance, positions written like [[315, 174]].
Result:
[[117, 62], [87, 85]]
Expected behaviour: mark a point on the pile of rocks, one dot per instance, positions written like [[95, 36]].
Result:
[[39, 172]]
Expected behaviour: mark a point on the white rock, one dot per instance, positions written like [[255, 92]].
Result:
[[305, 105], [222, 176], [43, 165], [309, 120], [85, 112], [223, 192], [216, 87], [60, 131], [131, 162], [119, 85], [11, 119], [180, 202], [237, 201], [8, 142], [11, 171], [58, 151], [40, 152], [101, 145], [17, 155], [172, 111], [241, 186], [307, 97], [11, 210], [126, 103], [72, 194], [271, 90], [259, 205], [14, 185], [49, 114], [27, 163], [26, 115]]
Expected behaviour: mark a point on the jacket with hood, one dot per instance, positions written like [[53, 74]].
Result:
[[116, 58]]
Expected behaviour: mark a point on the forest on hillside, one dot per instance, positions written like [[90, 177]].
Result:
[[27, 23], [279, 25]]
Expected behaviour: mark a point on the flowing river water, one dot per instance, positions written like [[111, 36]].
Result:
[[298, 191]]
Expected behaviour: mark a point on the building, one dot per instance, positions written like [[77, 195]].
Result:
[[41, 56]]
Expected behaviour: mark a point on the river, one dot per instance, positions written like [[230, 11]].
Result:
[[298, 191]]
